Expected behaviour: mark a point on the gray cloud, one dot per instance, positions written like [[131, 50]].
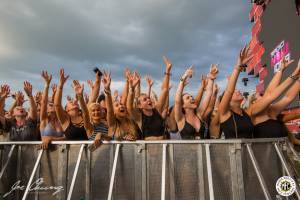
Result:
[[78, 35]]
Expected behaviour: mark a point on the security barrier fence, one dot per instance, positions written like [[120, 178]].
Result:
[[175, 169]]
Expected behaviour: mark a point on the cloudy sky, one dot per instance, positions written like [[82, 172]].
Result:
[[78, 35]]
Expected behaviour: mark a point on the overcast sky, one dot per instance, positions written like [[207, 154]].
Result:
[[78, 35]]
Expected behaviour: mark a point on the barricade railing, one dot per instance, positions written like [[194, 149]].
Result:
[[169, 169]]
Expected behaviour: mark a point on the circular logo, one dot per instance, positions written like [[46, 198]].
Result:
[[285, 186]]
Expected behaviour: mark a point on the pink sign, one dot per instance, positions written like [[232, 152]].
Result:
[[282, 50]]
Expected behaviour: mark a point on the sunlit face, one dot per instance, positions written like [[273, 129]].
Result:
[[72, 107], [188, 101], [19, 111], [119, 109], [145, 102], [237, 96], [97, 112]]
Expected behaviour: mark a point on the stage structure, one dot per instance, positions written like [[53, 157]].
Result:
[[275, 34]]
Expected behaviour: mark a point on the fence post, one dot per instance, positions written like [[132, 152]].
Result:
[[209, 172], [258, 173], [236, 172]]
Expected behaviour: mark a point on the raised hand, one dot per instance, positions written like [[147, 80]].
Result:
[[19, 97], [284, 63], [77, 87], [106, 80], [127, 74], [168, 64], [90, 84], [54, 89], [86, 98], [4, 91], [244, 57], [28, 88], [47, 77], [213, 71], [296, 72], [188, 73], [38, 97], [149, 80], [134, 79], [62, 77]]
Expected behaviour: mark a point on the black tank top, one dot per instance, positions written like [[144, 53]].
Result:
[[243, 125], [74, 132], [272, 128], [189, 132], [152, 125]]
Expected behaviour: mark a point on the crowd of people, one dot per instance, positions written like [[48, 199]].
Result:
[[134, 115]]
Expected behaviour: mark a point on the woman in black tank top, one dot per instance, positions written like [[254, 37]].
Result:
[[146, 114], [70, 118], [235, 122], [268, 122], [187, 114]]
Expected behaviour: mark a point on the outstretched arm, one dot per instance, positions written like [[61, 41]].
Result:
[[243, 58], [111, 119], [179, 116], [4, 92], [201, 90], [165, 86], [47, 78], [132, 111], [291, 116], [33, 110], [277, 77], [95, 88], [126, 87], [60, 112], [212, 101], [211, 77], [276, 108], [78, 89], [150, 82], [214, 126]]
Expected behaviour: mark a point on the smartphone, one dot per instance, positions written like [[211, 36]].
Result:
[[97, 70]]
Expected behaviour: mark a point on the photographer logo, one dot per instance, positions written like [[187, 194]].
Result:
[[285, 186]]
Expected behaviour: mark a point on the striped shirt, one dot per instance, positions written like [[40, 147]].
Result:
[[99, 128]]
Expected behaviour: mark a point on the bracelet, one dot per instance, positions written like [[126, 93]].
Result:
[[168, 74], [294, 77]]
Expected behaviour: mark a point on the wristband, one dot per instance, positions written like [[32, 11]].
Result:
[[168, 74], [293, 77]]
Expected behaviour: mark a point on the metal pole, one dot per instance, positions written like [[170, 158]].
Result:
[[33, 173], [75, 172], [258, 173], [112, 178], [209, 173], [284, 164], [163, 173], [8, 159], [293, 151]]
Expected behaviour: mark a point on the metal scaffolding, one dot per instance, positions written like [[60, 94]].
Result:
[[172, 169]]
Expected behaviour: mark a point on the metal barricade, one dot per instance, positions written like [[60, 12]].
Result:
[[145, 170]]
